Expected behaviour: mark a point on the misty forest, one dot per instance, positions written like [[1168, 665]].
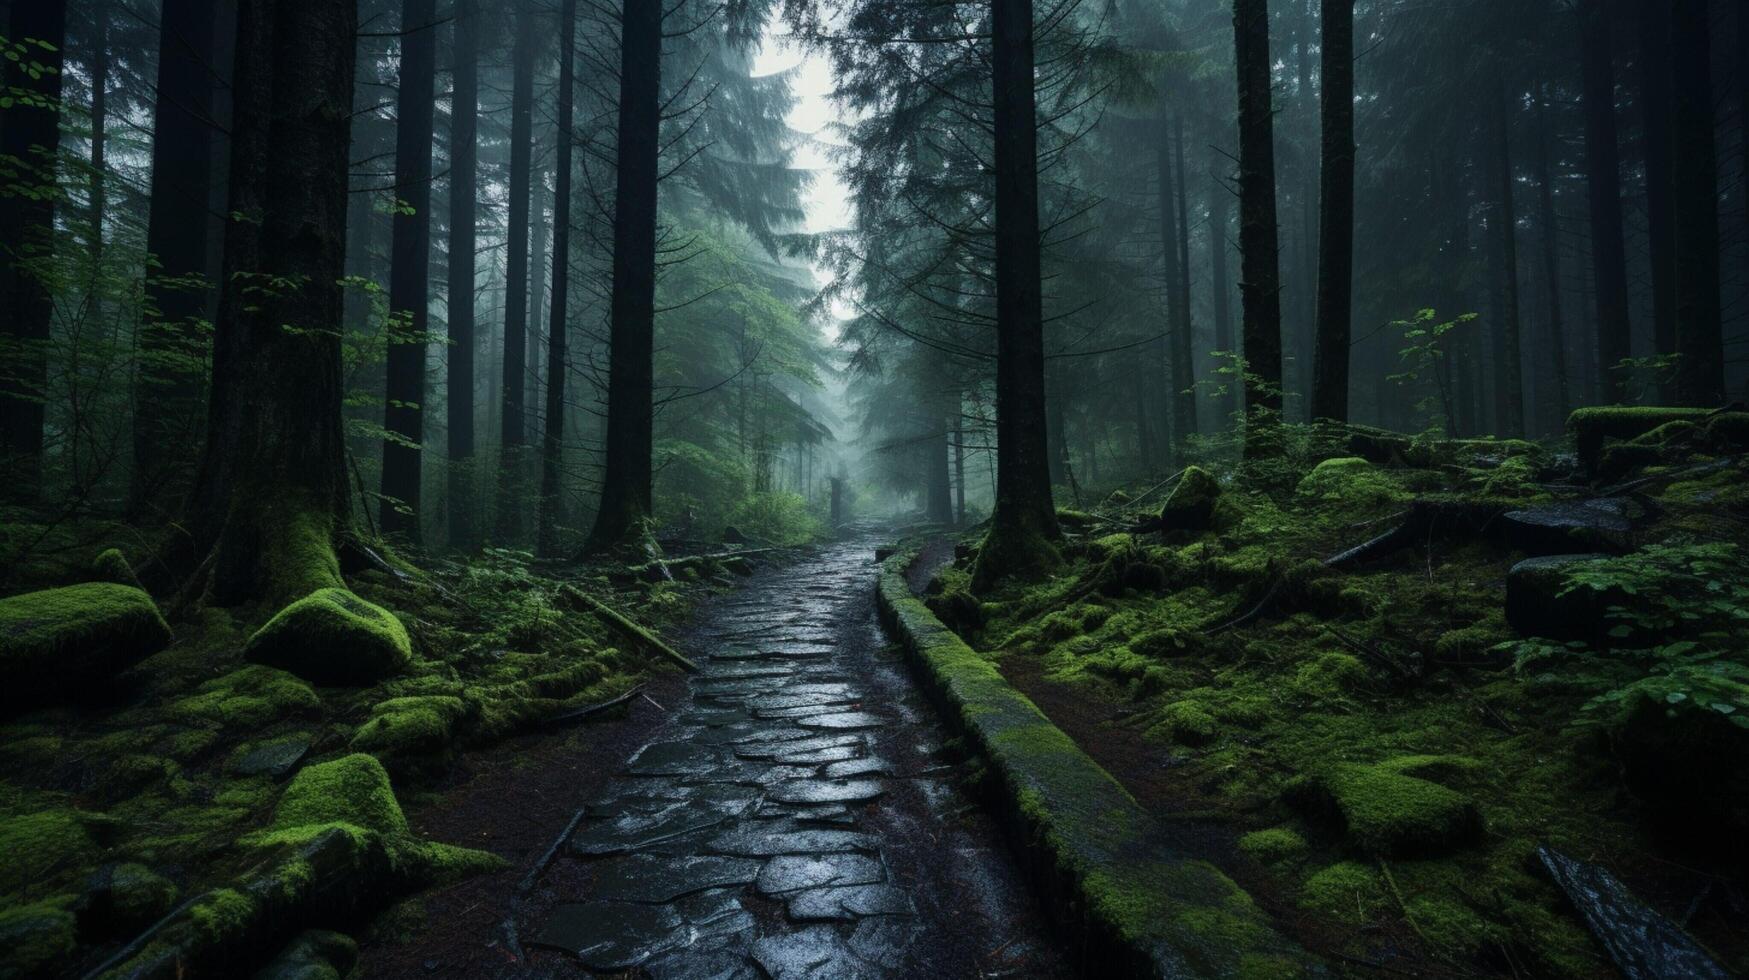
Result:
[[874, 488]]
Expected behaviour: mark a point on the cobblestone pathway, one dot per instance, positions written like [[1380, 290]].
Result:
[[796, 818]]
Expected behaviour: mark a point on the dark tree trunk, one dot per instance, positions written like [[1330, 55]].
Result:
[[1551, 242], [624, 512], [410, 272], [463, 191], [938, 482], [273, 494], [511, 426], [1184, 355], [553, 439], [1336, 222], [1700, 370], [1656, 107], [27, 226], [1023, 529], [1260, 272], [1608, 252], [1220, 215], [180, 232], [959, 463], [99, 199], [1144, 433], [538, 228], [1508, 347]]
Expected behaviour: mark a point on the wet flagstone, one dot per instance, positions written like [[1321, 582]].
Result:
[[747, 840]]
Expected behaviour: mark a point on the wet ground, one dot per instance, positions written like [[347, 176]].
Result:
[[797, 817]]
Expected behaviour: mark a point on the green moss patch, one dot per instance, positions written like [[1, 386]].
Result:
[[36, 939], [247, 699], [56, 643], [410, 726], [1384, 811], [351, 790], [331, 637]]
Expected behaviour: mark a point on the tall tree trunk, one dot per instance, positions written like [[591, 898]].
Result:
[[463, 193], [1602, 170], [1169, 286], [1184, 357], [1260, 272], [273, 495], [27, 227], [1656, 107], [99, 200], [180, 232], [624, 511], [1700, 370], [1336, 223], [553, 439], [938, 483], [539, 227], [511, 425], [1509, 366], [959, 462], [1551, 242], [1220, 216], [1023, 529], [410, 272]]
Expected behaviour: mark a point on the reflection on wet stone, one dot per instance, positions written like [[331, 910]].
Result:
[[738, 844]]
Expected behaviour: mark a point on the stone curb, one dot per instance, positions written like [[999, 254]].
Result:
[[1138, 908]]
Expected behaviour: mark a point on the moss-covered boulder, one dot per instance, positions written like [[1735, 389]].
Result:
[[1191, 506], [1539, 603], [36, 845], [1384, 810], [412, 726], [56, 643], [122, 898], [36, 941], [247, 698], [1683, 744], [351, 790], [1351, 482], [314, 955], [111, 565], [333, 638]]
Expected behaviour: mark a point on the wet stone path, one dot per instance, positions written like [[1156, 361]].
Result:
[[795, 819]]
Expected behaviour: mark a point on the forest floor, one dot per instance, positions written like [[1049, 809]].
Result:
[[1534, 663]]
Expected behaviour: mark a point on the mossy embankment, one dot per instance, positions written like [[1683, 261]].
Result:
[[235, 775], [1377, 745]]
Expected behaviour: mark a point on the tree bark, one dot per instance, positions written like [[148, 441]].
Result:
[[959, 462], [1509, 369], [1260, 272], [1602, 164], [463, 192], [511, 425], [1700, 368], [1551, 242], [27, 226], [1023, 529], [99, 199], [1220, 215], [1656, 108], [410, 273], [273, 494], [180, 232], [1336, 221], [1184, 357], [553, 438], [624, 512]]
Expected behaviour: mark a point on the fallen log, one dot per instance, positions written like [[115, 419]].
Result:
[[1643, 944], [577, 597]]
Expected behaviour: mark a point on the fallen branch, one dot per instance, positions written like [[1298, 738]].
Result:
[[579, 714], [626, 626]]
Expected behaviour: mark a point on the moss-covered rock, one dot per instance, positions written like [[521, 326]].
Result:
[[352, 790], [1346, 891], [333, 638], [1382, 810], [35, 845], [1273, 845], [1191, 506], [314, 955], [56, 643], [121, 898], [111, 565], [411, 726], [1539, 603], [35, 940], [1351, 481], [247, 699]]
